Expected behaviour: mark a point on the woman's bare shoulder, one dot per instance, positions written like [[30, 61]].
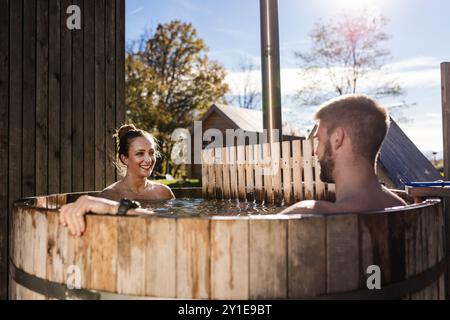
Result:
[[164, 192], [111, 192]]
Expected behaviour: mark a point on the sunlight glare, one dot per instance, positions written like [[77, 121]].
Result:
[[358, 5]]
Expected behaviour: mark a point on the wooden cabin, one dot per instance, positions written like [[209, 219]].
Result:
[[223, 117]]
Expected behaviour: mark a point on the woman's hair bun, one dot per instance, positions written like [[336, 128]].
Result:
[[123, 130]]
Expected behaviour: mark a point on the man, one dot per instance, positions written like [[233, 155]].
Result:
[[350, 131]]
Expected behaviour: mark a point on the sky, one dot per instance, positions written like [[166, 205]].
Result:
[[420, 41]]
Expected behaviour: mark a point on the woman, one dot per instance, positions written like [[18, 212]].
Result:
[[137, 153]]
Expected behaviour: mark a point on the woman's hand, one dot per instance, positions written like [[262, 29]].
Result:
[[72, 214]]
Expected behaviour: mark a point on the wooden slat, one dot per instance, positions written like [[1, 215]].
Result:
[[229, 259], [131, 264], [445, 85], [29, 99], [374, 246], [15, 101], [342, 253], [65, 245], [42, 98], [110, 89], [193, 259], [286, 164], [297, 165], [307, 167], [205, 178], [120, 62], [421, 248], [250, 172], [226, 174], [268, 256], [66, 101], [104, 243], [441, 251], [39, 244], [218, 172], [259, 191], [276, 174], [55, 259], [82, 258], [233, 172], [17, 238], [54, 97], [4, 117], [14, 136], [430, 231], [99, 78], [211, 176], [240, 162], [418, 249], [89, 96], [397, 246], [408, 227], [268, 173], [27, 246], [306, 258], [320, 186], [161, 258], [77, 106]]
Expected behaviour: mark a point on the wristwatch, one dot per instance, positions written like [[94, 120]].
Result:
[[125, 205]]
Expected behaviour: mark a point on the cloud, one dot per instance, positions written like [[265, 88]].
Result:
[[411, 73], [419, 62], [135, 11]]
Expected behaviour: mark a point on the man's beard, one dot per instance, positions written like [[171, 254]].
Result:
[[327, 164]]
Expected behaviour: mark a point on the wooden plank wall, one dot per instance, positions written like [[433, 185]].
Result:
[[445, 72], [61, 98], [270, 173]]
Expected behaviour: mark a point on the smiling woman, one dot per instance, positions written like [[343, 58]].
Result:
[[137, 154]]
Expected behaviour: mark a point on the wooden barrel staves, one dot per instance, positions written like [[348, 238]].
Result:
[[397, 253]]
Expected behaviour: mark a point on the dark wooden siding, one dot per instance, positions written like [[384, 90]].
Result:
[[61, 97]]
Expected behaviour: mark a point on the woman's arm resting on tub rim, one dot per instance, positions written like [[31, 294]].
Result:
[[72, 214]]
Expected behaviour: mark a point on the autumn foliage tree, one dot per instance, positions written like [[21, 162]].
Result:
[[348, 55], [170, 82]]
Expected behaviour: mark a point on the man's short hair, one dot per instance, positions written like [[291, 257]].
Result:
[[364, 119]]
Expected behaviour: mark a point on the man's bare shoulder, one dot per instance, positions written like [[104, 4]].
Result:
[[311, 207]]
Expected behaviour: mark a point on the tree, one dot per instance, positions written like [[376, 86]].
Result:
[[170, 82], [248, 96], [347, 56]]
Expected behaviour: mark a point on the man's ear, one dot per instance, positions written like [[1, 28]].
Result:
[[337, 138]]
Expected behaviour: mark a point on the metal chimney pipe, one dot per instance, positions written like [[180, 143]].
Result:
[[270, 60]]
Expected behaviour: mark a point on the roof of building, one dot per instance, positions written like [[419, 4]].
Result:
[[248, 119], [403, 161]]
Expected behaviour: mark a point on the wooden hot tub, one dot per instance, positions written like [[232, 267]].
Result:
[[257, 257]]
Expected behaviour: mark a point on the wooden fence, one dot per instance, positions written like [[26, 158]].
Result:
[[285, 172]]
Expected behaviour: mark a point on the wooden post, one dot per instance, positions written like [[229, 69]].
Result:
[[445, 73]]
